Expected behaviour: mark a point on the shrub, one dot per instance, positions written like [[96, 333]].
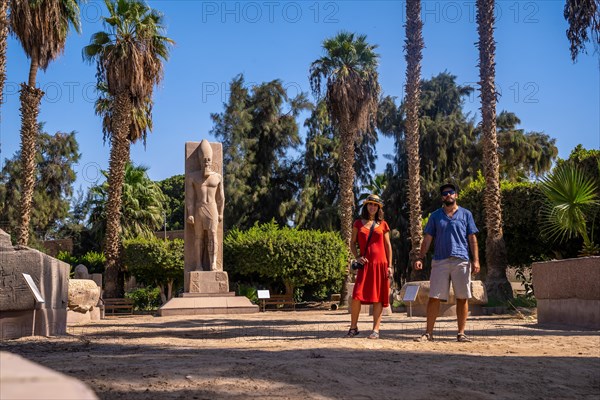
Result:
[[295, 257], [521, 203], [155, 262], [92, 260], [145, 299]]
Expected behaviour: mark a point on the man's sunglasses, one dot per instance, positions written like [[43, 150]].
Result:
[[447, 192]]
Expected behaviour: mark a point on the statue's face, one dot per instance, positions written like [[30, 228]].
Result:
[[207, 164]]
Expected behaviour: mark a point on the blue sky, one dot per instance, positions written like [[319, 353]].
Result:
[[268, 40]]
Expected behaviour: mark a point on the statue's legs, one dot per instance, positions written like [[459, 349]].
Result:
[[198, 241], [212, 250]]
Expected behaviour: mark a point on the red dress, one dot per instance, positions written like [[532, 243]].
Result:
[[372, 284]]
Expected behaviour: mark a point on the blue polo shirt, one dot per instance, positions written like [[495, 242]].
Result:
[[451, 234]]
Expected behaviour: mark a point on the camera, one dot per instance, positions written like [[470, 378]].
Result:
[[356, 265]]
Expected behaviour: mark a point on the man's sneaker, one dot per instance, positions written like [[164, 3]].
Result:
[[426, 337], [461, 337]]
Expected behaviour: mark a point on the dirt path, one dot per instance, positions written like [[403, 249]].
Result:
[[299, 355]]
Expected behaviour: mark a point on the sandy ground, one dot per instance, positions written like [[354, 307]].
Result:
[[304, 355]]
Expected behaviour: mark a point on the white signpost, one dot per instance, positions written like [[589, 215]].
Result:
[[38, 297], [262, 296], [410, 295]]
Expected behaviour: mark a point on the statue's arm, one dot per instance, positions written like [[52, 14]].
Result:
[[220, 198], [189, 199]]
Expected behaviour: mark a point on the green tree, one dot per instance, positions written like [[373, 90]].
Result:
[[522, 155], [496, 282], [257, 128], [174, 190], [142, 207], [54, 178], [155, 262], [318, 201], [129, 58], [447, 140], [582, 16], [349, 69], [42, 28]]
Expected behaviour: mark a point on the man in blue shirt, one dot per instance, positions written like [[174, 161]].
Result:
[[453, 229]]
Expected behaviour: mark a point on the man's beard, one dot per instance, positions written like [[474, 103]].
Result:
[[449, 202]]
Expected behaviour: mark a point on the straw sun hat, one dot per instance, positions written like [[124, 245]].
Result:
[[374, 199]]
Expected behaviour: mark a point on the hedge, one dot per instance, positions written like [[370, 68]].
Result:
[[297, 258]]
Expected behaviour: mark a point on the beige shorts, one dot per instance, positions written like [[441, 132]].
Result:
[[455, 270]]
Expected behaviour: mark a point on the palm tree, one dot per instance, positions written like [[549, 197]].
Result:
[[377, 185], [3, 38], [413, 48], [497, 284], [42, 27], [142, 208], [349, 68], [571, 199], [582, 15], [141, 116], [130, 60]]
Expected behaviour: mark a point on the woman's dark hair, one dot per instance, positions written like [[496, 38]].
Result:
[[364, 213]]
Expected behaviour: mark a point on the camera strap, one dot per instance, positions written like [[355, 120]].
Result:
[[368, 239]]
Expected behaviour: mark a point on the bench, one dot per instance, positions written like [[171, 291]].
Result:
[[118, 306], [279, 301]]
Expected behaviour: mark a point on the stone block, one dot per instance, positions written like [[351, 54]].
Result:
[[208, 305], [5, 243], [81, 272], [98, 279], [479, 294], [17, 303], [208, 282], [24, 379], [568, 292], [83, 295], [76, 318], [569, 312], [574, 278]]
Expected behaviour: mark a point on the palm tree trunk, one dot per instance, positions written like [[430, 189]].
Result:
[[3, 38], [348, 138], [497, 284], [414, 47], [30, 107], [119, 156]]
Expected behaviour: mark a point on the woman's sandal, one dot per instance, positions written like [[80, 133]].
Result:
[[352, 332], [374, 335], [461, 337]]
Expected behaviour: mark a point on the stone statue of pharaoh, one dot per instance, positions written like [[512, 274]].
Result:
[[205, 206]]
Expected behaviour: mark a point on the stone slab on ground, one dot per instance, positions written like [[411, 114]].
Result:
[[208, 305], [22, 379]]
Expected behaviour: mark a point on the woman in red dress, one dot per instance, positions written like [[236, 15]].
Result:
[[372, 284]]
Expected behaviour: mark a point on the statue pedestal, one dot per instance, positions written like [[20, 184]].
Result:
[[209, 294], [208, 282]]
